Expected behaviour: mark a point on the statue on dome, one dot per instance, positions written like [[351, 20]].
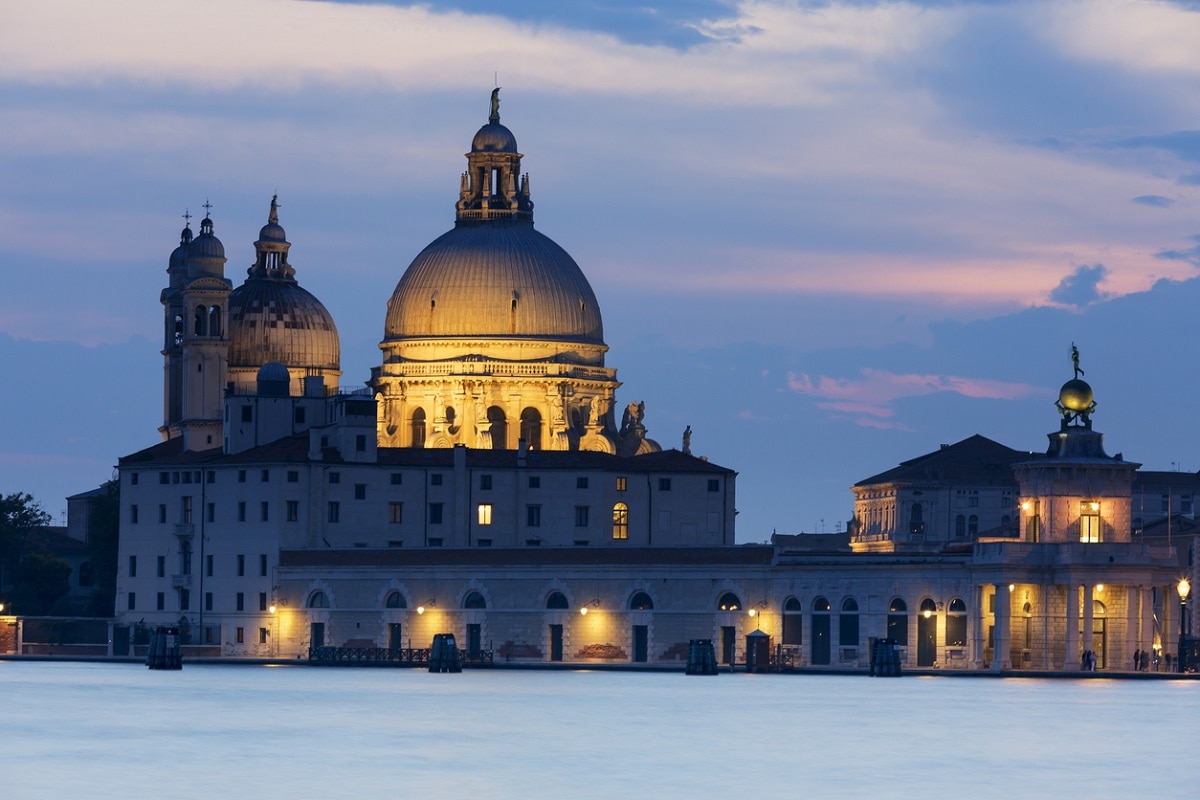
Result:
[[1075, 360], [687, 440], [495, 104]]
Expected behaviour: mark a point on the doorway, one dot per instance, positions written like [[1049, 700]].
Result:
[[728, 643], [556, 642], [395, 640], [316, 635], [641, 638], [474, 640]]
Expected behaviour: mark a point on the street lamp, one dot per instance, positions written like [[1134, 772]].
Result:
[[1184, 588]]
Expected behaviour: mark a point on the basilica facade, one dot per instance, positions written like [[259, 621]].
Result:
[[486, 482]]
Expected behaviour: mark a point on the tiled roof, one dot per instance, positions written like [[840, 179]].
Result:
[[977, 460]]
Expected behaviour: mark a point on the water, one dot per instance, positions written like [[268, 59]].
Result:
[[120, 730]]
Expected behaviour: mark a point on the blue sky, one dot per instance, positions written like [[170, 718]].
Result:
[[828, 236]]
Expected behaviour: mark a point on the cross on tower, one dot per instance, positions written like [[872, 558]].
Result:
[[187, 218], [207, 207]]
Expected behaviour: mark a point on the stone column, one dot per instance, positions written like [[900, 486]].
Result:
[[1146, 632], [1001, 657], [977, 626], [1089, 605], [1071, 651]]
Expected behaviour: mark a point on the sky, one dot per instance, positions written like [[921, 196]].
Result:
[[828, 236]]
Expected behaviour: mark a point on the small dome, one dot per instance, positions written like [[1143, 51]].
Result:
[[179, 255], [272, 232], [1076, 396], [271, 320], [497, 279], [273, 371], [494, 138]]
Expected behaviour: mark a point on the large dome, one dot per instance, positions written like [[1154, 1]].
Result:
[[272, 320], [499, 278]]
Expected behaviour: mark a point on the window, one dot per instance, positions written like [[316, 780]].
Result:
[[265, 510], [162, 513], [485, 482], [335, 477], [293, 476], [247, 414], [581, 483], [793, 621], [185, 600], [239, 635], [210, 476], [241, 511], [729, 602], [474, 600], [162, 567], [360, 491], [241, 566], [164, 477], [640, 602], [435, 513], [535, 482], [557, 601], [397, 478], [1185, 504], [848, 623], [208, 566], [160, 602], [714, 485], [133, 566], [299, 414], [621, 484], [916, 520], [241, 476], [485, 513], [581, 516], [262, 601], [620, 521], [360, 443], [484, 542], [1089, 521], [335, 510], [533, 516], [262, 635], [210, 512], [973, 501], [208, 601], [1033, 522], [435, 479], [266, 476], [960, 526], [185, 514], [418, 428], [956, 624], [133, 479], [241, 601], [262, 566], [395, 513], [293, 510], [131, 603], [972, 526], [897, 622], [395, 600], [664, 484], [435, 541]]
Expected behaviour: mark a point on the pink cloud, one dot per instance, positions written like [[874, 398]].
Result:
[[868, 398]]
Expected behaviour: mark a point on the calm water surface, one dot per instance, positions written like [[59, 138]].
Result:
[[121, 731]]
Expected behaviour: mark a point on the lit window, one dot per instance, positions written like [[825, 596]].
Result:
[[485, 513], [620, 520], [1089, 521], [621, 484]]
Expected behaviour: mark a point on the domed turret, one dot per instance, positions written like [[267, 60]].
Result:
[[493, 334], [273, 319], [206, 254]]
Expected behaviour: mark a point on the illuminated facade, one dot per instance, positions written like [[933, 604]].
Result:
[[482, 485]]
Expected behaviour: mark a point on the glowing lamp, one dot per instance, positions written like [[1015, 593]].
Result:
[[753, 612], [1026, 505], [1099, 587], [1012, 586], [927, 613], [271, 609], [1184, 588], [1095, 506], [420, 609], [583, 611]]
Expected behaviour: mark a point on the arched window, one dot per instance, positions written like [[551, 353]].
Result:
[[928, 608], [395, 600], [557, 600], [214, 321], [822, 637], [318, 600], [201, 326], [474, 600], [729, 602], [821, 606], [973, 526], [956, 623], [531, 428], [498, 427], [418, 427], [178, 334], [897, 622], [620, 521], [848, 623], [793, 626], [641, 602], [960, 526], [916, 519]]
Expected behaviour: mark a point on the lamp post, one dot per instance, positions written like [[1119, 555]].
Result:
[[1184, 588]]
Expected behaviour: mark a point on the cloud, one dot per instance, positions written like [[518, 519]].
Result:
[[1184, 145], [1153, 200], [1080, 288], [869, 399], [1190, 255], [1191, 179]]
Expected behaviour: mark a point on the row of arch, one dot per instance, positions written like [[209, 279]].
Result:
[[531, 426], [639, 601]]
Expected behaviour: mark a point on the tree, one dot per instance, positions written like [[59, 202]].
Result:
[[42, 578], [20, 515]]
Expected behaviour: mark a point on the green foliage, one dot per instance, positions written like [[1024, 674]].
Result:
[[20, 515], [42, 578]]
